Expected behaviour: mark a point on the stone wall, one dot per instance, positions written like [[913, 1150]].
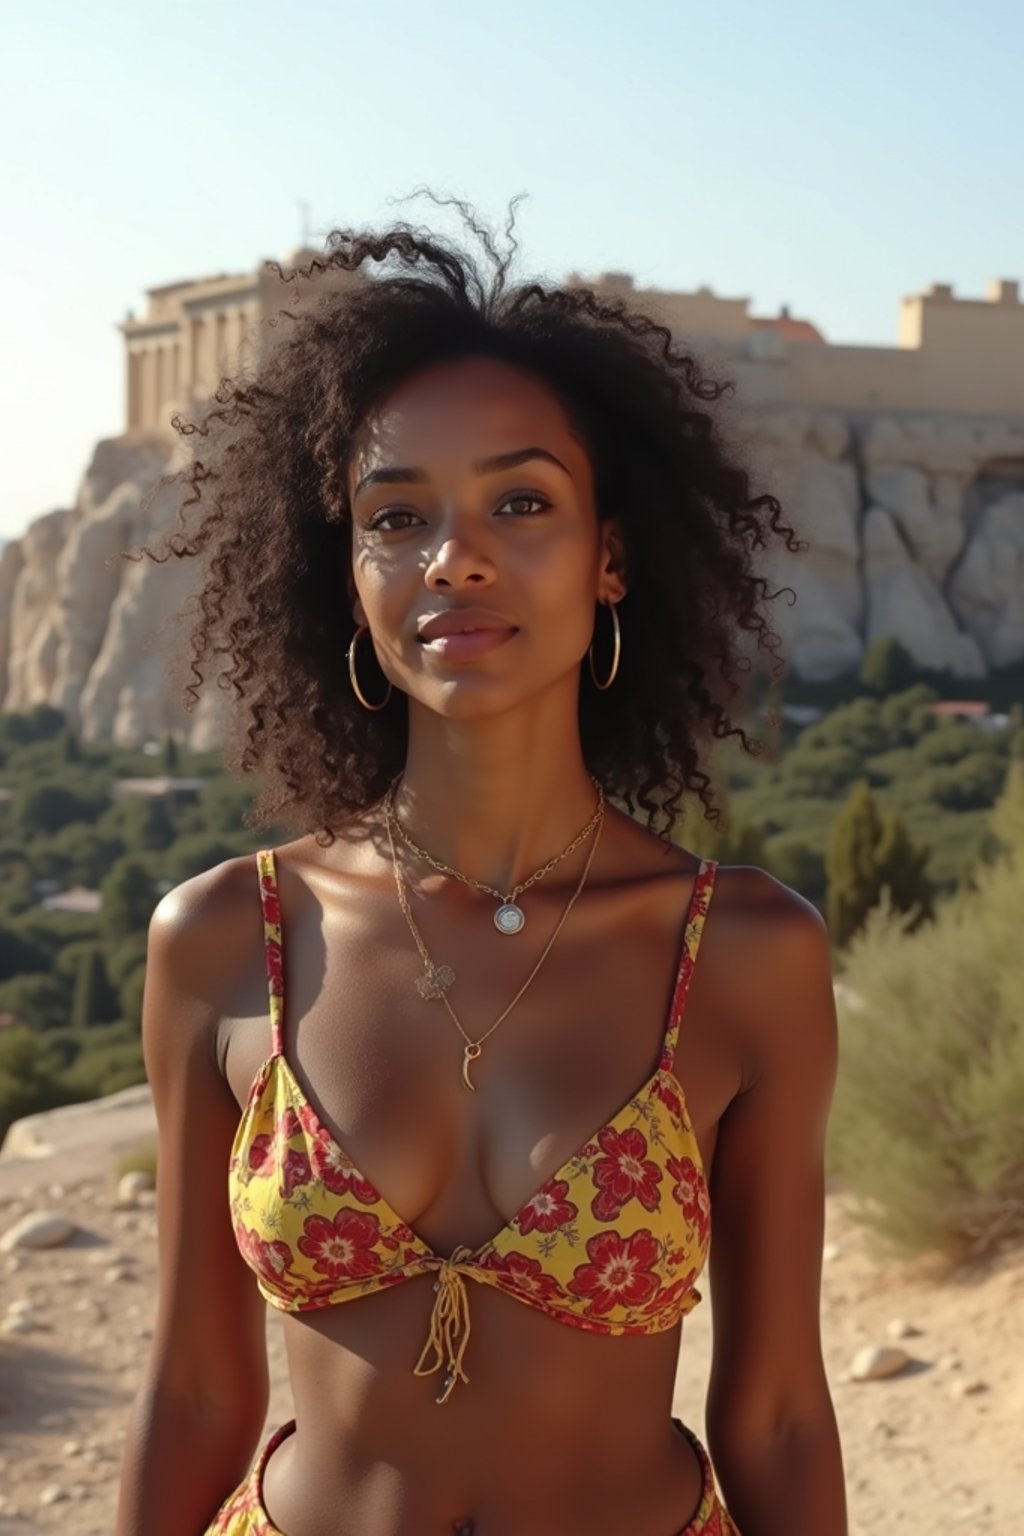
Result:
[[916, 530], [915, 527]]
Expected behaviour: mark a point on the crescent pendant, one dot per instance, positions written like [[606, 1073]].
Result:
[[470, 1054]]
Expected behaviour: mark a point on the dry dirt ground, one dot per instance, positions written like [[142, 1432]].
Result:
[[938, 1447]]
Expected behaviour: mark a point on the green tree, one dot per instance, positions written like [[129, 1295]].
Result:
[[171, 756], [94, 1000], [42, 723], [850, 863], [146, 823], [194, 855], [26, 1078], [887, 667], [70, 747], [44, 808], [18, 953], [902, 869], [130, 997], [223, 803], [128, 898], [17, 893], [865, 857], [38, 1002]]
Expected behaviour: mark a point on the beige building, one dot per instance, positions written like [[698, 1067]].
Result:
[[955, 355]]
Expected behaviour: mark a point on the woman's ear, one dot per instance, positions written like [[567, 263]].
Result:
[[612, 576]]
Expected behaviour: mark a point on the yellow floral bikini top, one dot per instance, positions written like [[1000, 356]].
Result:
[[612, 1242]]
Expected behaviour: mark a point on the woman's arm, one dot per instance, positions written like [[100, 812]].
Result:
[[770, 1421], [203, 1396]]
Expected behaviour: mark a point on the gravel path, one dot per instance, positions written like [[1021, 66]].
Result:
[[936, 1447]]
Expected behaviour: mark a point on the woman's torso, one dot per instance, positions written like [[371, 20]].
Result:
[[557, 1424]]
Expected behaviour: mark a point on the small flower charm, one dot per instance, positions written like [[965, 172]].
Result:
[[435, 981]]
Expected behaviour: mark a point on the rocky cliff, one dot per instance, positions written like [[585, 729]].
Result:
[[915, 529]]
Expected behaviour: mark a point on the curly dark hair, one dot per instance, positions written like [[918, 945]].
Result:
[[268, 488]]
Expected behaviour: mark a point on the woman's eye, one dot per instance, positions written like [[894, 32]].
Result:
[[537, 503], [383, 519]]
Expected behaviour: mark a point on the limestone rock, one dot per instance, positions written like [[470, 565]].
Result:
[[899, 1328], [92, 633], [18, 1322], [38, 1229], [904, 601], [817, 641], [130, 1186], [876, 1361], [934, 536], [967, 1386], [937, 561], [987, 587], [830, 434]]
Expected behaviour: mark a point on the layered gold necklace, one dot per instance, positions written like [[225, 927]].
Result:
[[436, 979], [510, 917]]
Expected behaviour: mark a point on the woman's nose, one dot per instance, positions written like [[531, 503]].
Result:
[[456, 563]]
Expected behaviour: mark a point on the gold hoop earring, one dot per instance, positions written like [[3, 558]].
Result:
[[364, 629], [615, 655]]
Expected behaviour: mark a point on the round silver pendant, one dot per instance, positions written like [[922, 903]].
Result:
[[509, 918]]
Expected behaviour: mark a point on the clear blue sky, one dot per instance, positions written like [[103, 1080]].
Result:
[[832, 157]]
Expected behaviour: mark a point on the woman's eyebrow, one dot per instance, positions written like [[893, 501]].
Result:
[[398, 476]]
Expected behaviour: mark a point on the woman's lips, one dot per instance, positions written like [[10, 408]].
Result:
[[472, 642]]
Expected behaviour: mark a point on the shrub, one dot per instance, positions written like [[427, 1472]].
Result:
[[111, 1059], [887, 666], [926, 1126], [866, 856], [29, 1078], [970, 785], [129, 897], [94, 1000], [39, 1002], [41, 808], [823, 771], [194, 855]]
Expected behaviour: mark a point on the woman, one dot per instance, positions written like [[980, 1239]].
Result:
[[476, 990]]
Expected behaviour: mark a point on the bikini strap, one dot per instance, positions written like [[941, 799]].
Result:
[[272, 944], [703, 886]]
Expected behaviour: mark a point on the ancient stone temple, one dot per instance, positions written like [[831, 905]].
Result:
[[902, 466]]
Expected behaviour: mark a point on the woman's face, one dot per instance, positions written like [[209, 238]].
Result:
[[468, 489]]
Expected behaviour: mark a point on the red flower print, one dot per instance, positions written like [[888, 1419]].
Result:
[[259, 1152], [665, 1299], [271, 1260], [342, 1249], [665, 1089], [619, 1272], [287, 1125], [690, 1191], [308, 1120], [295, 1170], [275, 966], [624, 1173], [266, 1150], [524, 1275], [335, 1169], [548, 1210], [271, 902]]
